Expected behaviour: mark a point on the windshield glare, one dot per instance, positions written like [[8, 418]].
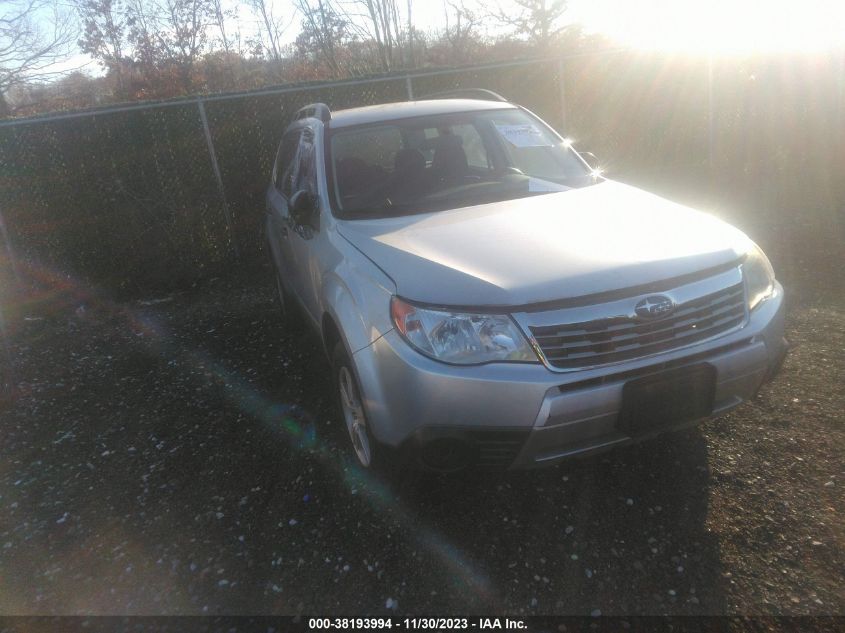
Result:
[[448, 161]]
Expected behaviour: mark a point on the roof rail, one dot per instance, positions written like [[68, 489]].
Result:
[[467, 93], [317, 110]]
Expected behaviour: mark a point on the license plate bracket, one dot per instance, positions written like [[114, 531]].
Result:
[[667, 398]]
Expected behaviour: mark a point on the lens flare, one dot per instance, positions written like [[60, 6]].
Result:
[[718, 26]]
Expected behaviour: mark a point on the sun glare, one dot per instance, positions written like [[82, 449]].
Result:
[[717, 26]]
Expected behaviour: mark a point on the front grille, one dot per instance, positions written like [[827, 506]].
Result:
[[615, 339]]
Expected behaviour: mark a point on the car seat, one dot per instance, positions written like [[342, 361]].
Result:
[[450, 159]]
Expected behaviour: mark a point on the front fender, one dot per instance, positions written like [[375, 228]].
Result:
[[356, 294]]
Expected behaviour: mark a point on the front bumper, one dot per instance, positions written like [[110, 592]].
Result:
[[525, 415]]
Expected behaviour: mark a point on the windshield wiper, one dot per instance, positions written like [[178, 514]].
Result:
[[387, 208]]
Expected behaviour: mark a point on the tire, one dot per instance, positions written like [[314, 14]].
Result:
[[368, 453]]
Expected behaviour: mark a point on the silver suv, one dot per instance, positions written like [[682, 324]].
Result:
[[486, 298]]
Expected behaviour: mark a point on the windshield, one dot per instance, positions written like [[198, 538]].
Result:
[[446, 161]]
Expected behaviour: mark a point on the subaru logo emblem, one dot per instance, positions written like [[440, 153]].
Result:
[[654, 306]]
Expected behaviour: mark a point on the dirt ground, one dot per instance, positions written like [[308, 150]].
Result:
[[182, 455]]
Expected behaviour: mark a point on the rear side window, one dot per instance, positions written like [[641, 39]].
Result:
[[284, 161], [303, 173]]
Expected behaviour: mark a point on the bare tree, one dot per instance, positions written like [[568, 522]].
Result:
[[141, 21], [168, 37], [104, 34], [460, 30], [381, 22], [183, 34], [384, 15], [34, 35], [412, 62], [220, 17], [273, 26], [323, 32], [536, 20]]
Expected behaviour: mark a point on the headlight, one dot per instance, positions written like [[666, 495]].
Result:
[[461, 338], [759, 277]]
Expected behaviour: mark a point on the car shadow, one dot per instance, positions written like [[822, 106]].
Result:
[[624, 532]]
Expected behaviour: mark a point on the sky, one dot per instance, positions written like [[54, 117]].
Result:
[[717, 26], [693, 26]]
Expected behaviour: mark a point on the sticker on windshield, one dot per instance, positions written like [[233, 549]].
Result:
[[524, 135]]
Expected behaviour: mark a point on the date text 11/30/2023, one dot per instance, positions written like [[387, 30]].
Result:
[[415, 623]]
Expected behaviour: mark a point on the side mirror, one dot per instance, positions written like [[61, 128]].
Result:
[[302, 207]]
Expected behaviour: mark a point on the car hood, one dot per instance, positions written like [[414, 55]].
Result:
[[605, 237]]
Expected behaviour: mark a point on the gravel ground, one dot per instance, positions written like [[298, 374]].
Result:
[[182, 455]]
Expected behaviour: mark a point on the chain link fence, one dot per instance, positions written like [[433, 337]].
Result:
[[157, 196]]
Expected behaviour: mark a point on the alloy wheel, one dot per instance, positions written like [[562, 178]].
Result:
[[353, 413]]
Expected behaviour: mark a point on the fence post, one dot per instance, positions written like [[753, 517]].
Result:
[[219, 178], [9, 291], [10, 253], [409, 87], [561, 80]]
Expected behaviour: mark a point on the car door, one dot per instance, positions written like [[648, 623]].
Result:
[[303, 237], [279, 224]]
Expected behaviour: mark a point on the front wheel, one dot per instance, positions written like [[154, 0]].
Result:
[[352, 408]]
